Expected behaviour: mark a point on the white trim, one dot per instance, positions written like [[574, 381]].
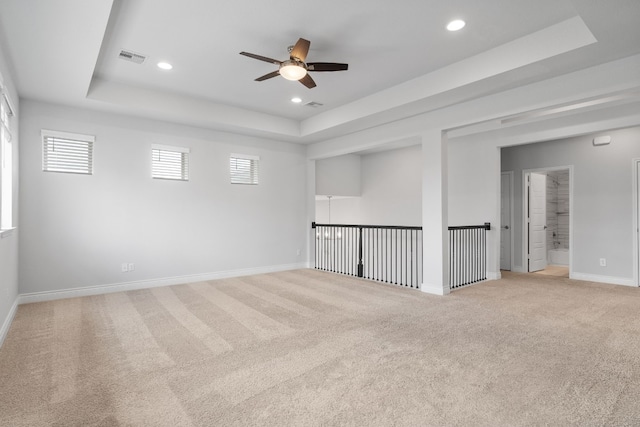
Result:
[[6, 232], [7, 100], [67, 135], [5, 94], [636, 221], [170, 148], [518, 269], [624, 281], [8, 320], [151, 283], [244, 156], [493, 276], [434, 289], [468, 285]]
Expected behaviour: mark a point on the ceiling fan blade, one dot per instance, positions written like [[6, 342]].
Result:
[[308, 81], [268, 76], [327, 66], [261, 58], [301, 49]]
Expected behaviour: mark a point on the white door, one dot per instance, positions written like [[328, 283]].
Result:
[[537, 221], [505, 221]]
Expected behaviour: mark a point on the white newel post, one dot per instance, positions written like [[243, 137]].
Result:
[[434, 214]]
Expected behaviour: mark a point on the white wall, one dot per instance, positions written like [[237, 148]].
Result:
[[391, 191], [602, 196], [77, 230], [9, 242]]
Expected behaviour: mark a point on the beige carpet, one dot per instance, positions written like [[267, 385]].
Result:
[[555, 270], [308, 348]]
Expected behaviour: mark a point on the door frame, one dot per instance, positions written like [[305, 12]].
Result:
[[511, 214], [525, 209], [635, 163]]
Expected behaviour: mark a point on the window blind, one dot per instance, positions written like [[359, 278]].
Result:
[[5, 113], [243, 169], [169, 162], [67, 152], [6, 162]]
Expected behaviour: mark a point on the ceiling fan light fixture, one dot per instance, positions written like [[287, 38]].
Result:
[[292, 70]]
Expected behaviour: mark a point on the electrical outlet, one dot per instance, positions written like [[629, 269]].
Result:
[[603, 262], [298, 252], [125, 267], [132, 266]]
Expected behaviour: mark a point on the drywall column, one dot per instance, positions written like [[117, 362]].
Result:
[[311, 213], [434, 214]]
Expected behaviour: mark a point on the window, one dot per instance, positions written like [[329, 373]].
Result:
[[67, 152], [6, 163], [243, 169], [169, 162]]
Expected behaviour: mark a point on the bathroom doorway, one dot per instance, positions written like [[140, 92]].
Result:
[[547, 220]]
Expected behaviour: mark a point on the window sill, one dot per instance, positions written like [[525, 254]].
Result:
[[6, 232]]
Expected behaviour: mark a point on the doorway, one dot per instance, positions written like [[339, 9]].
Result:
[[547, 222]]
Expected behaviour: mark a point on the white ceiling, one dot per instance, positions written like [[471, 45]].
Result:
[[402, 60]]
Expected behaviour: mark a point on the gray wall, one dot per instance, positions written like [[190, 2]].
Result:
[[77, 230], [391, 191], [602, 198], [339, 176], [9, 243]]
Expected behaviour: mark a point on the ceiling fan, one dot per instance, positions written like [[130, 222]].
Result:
[[295, 68]]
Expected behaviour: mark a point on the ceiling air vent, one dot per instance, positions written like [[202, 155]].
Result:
[[127, 55], [313, 104]]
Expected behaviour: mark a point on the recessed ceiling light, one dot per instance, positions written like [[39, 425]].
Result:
[[456, 25], [165, 65], [296, 100]]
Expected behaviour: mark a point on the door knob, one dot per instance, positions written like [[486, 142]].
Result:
[[506, 227]]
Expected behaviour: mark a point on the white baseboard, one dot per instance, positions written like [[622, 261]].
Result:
[[151, 283], [624, 281], [518, 269], [494, 275], [7, 321], [433, 289]]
